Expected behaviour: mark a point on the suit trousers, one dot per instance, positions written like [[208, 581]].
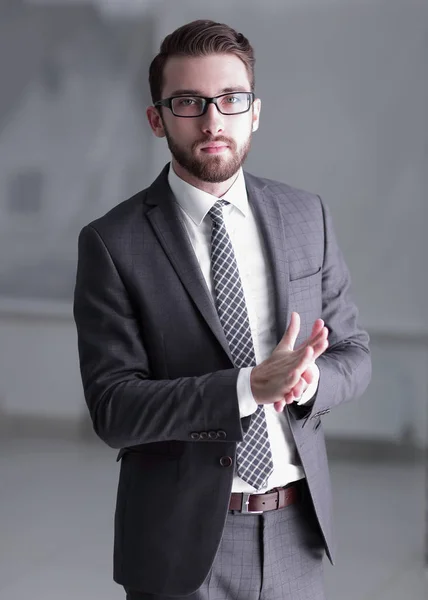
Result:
[[275, 555]]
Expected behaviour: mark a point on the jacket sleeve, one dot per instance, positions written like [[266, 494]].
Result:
[[345, 367], [126, 406]]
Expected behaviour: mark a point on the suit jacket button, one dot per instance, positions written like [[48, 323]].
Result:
[[194, 436], [212, 435], [226, 461], [221, 434], [203, 435]]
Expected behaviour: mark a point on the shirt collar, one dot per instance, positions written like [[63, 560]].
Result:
[[197, 203]]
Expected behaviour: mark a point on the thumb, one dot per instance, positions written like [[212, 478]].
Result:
[[290, 336]]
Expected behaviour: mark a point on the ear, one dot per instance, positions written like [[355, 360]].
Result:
[[155, 121], [257, 104]]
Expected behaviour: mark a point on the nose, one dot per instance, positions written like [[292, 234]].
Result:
[[212, 120]]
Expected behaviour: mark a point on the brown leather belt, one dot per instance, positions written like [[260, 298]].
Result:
[[258, 503]]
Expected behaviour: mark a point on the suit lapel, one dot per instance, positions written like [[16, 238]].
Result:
[[267, 210], [168, 226]]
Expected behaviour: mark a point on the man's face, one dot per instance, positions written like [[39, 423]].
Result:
[[211, 147]]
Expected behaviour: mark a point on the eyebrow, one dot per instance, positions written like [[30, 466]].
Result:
[[194, 92]]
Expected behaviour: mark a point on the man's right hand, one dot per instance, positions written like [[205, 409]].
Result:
[[276, 376]]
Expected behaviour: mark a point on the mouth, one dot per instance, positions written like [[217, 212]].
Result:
[[215, 148]]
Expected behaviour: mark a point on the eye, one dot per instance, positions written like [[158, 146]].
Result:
[[186, 101], [231, 99]]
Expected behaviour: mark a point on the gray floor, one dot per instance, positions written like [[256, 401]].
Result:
[[56, 523]]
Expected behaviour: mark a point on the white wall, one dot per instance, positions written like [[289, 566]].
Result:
[[39, 375], [395, 405], [86, 139]]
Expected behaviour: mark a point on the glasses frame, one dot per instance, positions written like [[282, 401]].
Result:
[[213, 100]]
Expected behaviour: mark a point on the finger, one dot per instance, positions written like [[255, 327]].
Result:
[[320, 348], [308, 376], [289, 338], [303, 362], [299, 388], [322, 334], [317, 326], [318, 343], [316, 330], [279, 406], [289, 398], [317, 349]]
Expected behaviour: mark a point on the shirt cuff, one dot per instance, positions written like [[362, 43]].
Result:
[[247, 404], [310, 391]]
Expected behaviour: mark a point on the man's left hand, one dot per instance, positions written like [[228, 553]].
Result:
[[308, 379]]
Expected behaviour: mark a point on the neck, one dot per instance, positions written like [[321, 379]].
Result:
[[215, 189]]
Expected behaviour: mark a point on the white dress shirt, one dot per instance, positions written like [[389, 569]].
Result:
[[259, 297]]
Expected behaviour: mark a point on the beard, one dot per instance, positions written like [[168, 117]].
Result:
[[210, 167]]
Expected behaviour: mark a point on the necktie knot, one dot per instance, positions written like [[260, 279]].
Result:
[[216, 211]]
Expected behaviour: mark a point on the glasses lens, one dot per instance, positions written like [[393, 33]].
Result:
[[232, 104], [187, 106]]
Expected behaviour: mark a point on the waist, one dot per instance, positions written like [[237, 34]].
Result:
[[274, 499]]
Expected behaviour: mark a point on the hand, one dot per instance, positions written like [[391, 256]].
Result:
[[308, 377], [305, 380], [287, 371]]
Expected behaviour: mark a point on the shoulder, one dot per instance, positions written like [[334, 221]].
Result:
[[121, 217], [282, 191], [291, 199], [128, 216]]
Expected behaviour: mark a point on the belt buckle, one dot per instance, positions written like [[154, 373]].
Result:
[[245, 503]]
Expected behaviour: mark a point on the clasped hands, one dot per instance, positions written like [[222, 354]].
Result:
[[283, 377]]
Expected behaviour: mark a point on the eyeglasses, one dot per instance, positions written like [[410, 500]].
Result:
[[234, 103]]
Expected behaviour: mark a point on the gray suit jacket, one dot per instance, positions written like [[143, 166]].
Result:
[[159, 380]]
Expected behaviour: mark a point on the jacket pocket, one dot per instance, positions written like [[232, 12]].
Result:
[[169, 449], [304, 275]]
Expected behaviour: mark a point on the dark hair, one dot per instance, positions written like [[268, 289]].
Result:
[[200, 38]]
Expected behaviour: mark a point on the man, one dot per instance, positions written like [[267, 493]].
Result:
[[203, 306]]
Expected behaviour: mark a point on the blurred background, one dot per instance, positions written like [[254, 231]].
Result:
[[344, 94]]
